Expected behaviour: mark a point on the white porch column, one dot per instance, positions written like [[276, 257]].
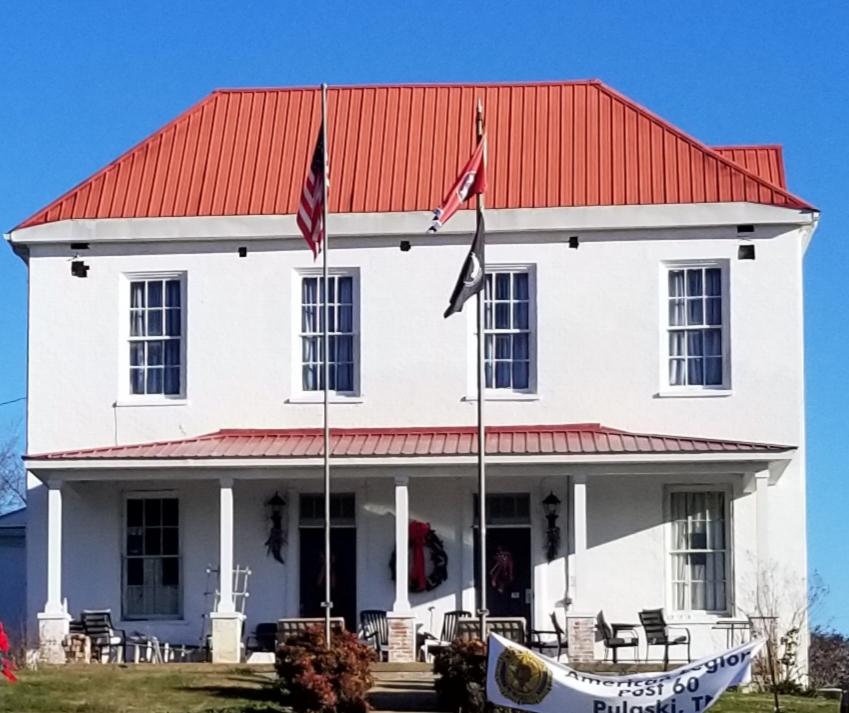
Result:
[[580, 621], [402, 545], [402, 623], [226, 621], [762, 519], [53, 621]]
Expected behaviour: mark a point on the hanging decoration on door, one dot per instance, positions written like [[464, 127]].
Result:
[[423, 538], [502, 574], [275, 508]]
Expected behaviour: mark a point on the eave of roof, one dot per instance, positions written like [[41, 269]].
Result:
[[397, 147], [305, 443]]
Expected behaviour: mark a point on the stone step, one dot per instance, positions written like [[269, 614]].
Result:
[[403, 691]]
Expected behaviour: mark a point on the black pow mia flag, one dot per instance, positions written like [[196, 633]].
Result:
[[471, 279]]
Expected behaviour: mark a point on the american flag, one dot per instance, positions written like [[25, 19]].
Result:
[[311, 210]]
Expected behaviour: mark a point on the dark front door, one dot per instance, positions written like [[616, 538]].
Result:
[[508, 571], [343, 580]]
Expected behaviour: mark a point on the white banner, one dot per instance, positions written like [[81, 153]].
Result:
[[518, 678]]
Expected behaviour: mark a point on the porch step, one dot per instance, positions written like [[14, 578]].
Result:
[[380, 667], [403, 691]]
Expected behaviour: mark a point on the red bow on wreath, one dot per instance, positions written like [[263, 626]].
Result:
[[418, 539], [422, 541]]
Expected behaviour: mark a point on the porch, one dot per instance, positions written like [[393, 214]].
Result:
[[139, 537]]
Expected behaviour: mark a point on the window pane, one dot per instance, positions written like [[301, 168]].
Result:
[[153, 541], [695, 374], [694, 344], [154, 380], [502, 285], [520, 346], [676, 313], [172, 380], [136, 323], [136, 353], [520, 374], [344, 349], [173, 324], [714, 310], [152, 512], [172, 296], [346, 290], [154, 294], [137, 381], [170, 575], [713, 342], [502, 346], [137, 294], [520, 286], [346, 319], [135, 572], [309, 319], [676, 343], [155, 353], [170, 512], [488, 375], [172, 352], [520, 315], [713, 281], [694, 312], [502, 315], [170, 541], [135, 541], [502, 374], [713, 371], [694, 283], [154, 322], [345, 377], [676, 283], [135, 510], [676, 372]]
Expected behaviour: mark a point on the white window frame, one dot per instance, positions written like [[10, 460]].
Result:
[[665, 388], [153, 495], [676, 614], [298, 394], [125, 395], [506, 394]]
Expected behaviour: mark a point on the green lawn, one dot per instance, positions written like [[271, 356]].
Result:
[[140, 689], [205, 688]]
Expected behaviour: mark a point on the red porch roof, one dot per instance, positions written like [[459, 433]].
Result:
[[569, 439], [397, 148]]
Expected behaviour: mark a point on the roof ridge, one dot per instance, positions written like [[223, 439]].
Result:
[[693, 141], [412, 85]]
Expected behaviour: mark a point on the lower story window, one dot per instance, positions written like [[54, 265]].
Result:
[[152, 577], [699, 551]]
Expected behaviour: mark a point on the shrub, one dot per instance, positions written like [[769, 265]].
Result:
[[462, 676], [6, 665], [828, 659], [315, 679]]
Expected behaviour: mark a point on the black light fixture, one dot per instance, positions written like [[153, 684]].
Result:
[[275, 507], [405, 246], [243, 251], [79, 268], [551, 508], [574, 242], [746, 251]]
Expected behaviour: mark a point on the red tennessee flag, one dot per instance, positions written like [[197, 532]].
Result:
[[471, 181], [311, 209]]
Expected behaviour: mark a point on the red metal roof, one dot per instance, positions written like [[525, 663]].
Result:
[[570, 439], [397, 148], [766, 161]]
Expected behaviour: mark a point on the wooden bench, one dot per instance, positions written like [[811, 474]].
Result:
[[287, 628]]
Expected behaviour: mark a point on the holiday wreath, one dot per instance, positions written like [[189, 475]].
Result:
[[422, 536]]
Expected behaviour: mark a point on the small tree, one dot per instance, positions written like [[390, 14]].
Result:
[[828, 659], [13, 487]]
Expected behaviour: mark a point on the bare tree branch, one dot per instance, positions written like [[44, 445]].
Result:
[[13, 488]]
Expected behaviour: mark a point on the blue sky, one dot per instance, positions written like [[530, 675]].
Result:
[[81, 82]]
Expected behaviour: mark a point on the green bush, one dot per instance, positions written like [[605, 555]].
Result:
[[316, 679], [462, 677]]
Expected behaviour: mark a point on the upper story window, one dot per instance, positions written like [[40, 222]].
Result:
[[699, 550], [157, 336], [697, 325], [509, 344], [342, 327]]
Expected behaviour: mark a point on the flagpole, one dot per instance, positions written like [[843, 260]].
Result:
[[482, 612], [325, 248]]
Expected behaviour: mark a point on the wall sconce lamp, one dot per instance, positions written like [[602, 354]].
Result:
[[551, 508], [275, 508]]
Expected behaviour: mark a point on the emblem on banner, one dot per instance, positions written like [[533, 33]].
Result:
[[521, 677]]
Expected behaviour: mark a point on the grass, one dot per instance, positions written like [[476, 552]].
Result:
[[205, 688], [141, 689]]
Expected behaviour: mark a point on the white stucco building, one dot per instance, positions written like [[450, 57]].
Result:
[[643, 284]]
